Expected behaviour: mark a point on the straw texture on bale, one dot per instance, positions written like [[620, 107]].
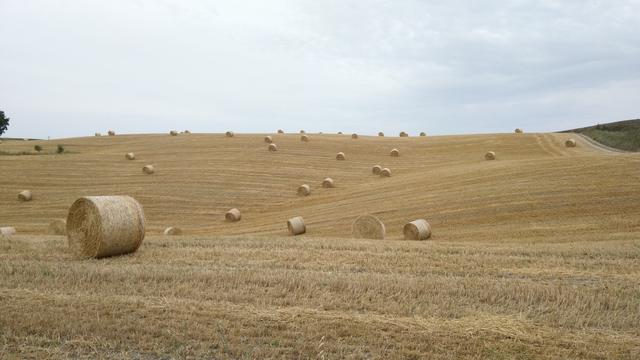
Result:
[[368, 227], [304, 138], [423, 134], [340, 156], [380, 133], [304, 190], [570, 143], [100, 226], [229, 134], [58, 227], [280, 131], [98, 134], [354, 136], [233, 215], [490, 155], [385, 172], [173, 133], [376, 169], [7, 231], [296, 226], [273, 147], [25, 195], [328, 183], [417, 230], [395, 153], [172, 230], [268, 139], [130, 156], [148, 169], [519, 131], [111, 133], [403, 134]]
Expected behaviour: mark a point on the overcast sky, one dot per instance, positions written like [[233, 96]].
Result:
[[71, 68]]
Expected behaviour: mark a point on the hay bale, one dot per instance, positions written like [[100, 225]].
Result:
[[423, 133], [173, 133], [340, 156], [304, 138], [7, 231], [304, 190], [376, 169], [130, 156], [229, 134], [490, 155], [339, 132], [25, 195], [395, 152], [296, 226], [354, 136], [385, 172], [519, 131], [417, 230], [570, 143], [328, 183], [302, 132], [58, 227], [148, 169], [368, 227], [187, 132], [172, 230], [380, 133], [111, 133], [98, 134], [403, 134], [280, 131], [233, 215], [273, 147], [268, 139], [100, 226]]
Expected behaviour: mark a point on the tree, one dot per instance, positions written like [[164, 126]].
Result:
[[4, 122], [38, 148]]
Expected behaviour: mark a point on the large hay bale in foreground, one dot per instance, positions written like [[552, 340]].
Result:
[[172, 230], [7, 231], [304, 138], [417, 230], [296, 226], [173, 133], [273, 147], [376, 169], [268, 139], [354, 136], [328, 183], [340, 156], [304, 190], [100, 226], [130, 156], [229, 134], [111, 133], [380, 133], [570, 143], [385, 172], [148, 169], [490, 155], [395, 152], [25, 195], [233, 215], [58, 227], [368, 227], [519, 131]]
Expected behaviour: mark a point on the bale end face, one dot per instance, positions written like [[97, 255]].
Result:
[[376, 170], [490, 155], [340, 156], [417, 230], [385, 172], [233, 215], [368, 227], [268, 139], [519, 131], [354, 136], [328, 183], [172, 230], [304, 190], [229, 134], [25, 195], [296, 226], [58, 227], [395, 153], [148, 169], [130, 156], [570, 143], [273, 147], [304, 138]]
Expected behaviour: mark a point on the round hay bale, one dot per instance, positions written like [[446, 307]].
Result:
[[380, 133], [368, 227], [58, 227], [302, 132], [173, 133], [100, 226], [25, 195], [98, 134], [111, 133], [490, 155], [187, 132], [233, 215], [423, 134], [296, 226], [304, 138], [130, 156], [354, 136], [304, 190], [395, 153], [403, 134], [229, 134], [385, 172], [273, 147], [339, 132], [7, 231], [570, 143], [340, 156], [268, 139], [148, 169], [280, 131], [519, 131], [328, 183], [376, 169], [172, 230], [417, 230]]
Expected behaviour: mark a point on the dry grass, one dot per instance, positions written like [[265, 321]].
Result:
[[532, 256]]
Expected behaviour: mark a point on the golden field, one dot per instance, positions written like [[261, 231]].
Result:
[[533, 255]]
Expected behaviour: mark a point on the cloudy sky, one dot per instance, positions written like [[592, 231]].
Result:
[[70, 68]]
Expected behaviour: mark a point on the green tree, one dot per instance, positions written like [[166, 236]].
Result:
[[60, 149], [4, 122]]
